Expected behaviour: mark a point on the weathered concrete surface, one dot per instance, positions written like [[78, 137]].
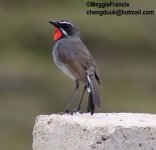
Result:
[[112, 131]]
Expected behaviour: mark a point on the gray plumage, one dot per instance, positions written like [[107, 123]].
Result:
[[74, 59]]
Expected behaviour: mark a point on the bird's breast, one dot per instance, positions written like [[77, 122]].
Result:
[[63, 67]]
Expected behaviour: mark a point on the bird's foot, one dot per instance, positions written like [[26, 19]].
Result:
[[65, 112], [77, 111], [71, 112]]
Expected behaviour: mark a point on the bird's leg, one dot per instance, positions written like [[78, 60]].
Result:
[[78, 109], [72, 97]]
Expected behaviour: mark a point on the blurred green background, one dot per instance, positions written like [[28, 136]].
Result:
[[30, 84]]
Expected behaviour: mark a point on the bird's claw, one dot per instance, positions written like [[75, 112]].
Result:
[[70, 112]]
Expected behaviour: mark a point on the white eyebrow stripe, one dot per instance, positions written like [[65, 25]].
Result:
[[64, 22]]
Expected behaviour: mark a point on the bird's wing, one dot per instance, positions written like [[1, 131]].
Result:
[[76, 56]]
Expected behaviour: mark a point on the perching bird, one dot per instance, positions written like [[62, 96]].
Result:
[[73, 58]]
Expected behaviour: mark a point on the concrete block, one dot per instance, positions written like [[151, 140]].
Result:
[[102, 131]]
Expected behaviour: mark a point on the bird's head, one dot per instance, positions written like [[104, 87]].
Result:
[[62, 29]]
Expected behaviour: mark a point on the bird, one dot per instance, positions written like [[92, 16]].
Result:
[[74, 59]]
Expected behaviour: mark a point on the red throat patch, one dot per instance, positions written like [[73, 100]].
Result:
[[57, 34]]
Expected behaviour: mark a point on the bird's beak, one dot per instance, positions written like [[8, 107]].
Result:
[[54, 23]]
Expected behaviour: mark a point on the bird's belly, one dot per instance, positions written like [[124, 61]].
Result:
[[66, 71], [63, 67]]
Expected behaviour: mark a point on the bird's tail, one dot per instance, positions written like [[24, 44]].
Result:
[[94, 93]]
